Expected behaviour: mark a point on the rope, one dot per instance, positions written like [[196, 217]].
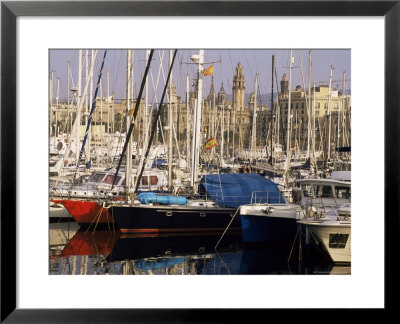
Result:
[[227, 228]]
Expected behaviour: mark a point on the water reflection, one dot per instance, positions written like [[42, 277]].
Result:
[[110, 252]]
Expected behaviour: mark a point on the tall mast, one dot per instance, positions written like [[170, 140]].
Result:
[[313, 123], [329, 113], [146, 110], [68, 81], [222, 133], [93, 106], [228, 127], [254, 130], [87, 79], [272, 109], [108, 106], [289, 117], [197, 120], [128, 157], [78, 117], [51, 99], [341, 103], [309, 105], [57, 94], [170, 127], [187, 123]]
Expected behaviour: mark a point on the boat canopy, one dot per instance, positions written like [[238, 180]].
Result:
[[233, 190]]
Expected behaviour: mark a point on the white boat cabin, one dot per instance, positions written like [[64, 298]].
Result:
[[324, 192], [99, 183]]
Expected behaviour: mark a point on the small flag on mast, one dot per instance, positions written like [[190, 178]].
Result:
[[209, 70], [210, 143]]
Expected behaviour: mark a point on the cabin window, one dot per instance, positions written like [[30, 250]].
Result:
[[145, 181], [153, 180], [338, 241], [342, 192], [323, 191], [97, 177], [109, 179], [306, 190]]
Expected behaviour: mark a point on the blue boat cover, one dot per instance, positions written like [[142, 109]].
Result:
[[151, 197], [233, 190]]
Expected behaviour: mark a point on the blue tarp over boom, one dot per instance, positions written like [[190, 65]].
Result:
[[233, 190]]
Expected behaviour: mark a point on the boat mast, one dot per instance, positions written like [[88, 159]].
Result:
[[68, 81], [57, 94], [341, 104], [128, 158], [329, 113], [51, 100], [197, 120], [272, 111], [253, 132], [91, 112], [146, 110], [228, 132], [222, 135], [170, 127], [78, 117], [87, 79], [309, 105], [155, 121], [187, 123], [289, 117], [132, 124], [313, 123]]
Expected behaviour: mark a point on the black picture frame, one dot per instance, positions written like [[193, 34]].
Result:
[[10, 10]]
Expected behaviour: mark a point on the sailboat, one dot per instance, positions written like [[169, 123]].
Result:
[[214, 200]]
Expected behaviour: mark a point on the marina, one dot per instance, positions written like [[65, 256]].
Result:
[[158, 175]]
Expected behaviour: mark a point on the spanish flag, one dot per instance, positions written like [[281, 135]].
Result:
[[210, 143], [209, 70]]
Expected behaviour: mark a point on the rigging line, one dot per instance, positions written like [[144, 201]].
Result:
[[255, 60], [89, 122], [133, 116], [247, 60], [155, 122], [117, 73], [173, 128]]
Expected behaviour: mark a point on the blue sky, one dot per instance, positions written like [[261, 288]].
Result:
[[253, 61]]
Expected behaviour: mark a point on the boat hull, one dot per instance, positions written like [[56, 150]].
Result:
[[269, 222], [333, 237], [257, 228], [86, 213], [176, 219]]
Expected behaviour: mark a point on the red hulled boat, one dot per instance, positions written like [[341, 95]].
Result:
[[86, 213]]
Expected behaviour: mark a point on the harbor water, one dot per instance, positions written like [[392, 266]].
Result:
[[73, 251]]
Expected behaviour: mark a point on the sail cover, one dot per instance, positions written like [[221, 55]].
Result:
[[233, 190]]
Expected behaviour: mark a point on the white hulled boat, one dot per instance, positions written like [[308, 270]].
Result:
[[326, 205]]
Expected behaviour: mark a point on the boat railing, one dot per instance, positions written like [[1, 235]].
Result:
[[264, 197], [317, 209], [82, 190]]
